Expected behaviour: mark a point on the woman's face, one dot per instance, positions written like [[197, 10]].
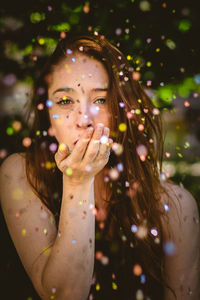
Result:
[[78, 89]]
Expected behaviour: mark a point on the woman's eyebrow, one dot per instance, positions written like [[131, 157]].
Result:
[[68, 89]]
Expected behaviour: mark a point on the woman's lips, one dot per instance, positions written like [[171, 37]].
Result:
[[75, 142]]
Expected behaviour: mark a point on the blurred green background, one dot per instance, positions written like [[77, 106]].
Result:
[[159, 38]]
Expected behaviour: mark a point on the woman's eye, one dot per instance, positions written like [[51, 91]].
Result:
[[101, 99], [63, 101]]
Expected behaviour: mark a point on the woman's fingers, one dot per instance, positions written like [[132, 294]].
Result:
[[62, 152]]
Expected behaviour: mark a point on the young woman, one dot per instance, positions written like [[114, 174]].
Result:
[[87, 206]]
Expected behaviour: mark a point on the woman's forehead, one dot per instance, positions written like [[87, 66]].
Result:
[[80, 68]]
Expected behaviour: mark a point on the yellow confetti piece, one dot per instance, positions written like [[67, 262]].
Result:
[[97, 286], [41, 41], [17, 194], [46, 251], [62, 147], [52, 297], [45, 231], [122, 127], [180, 155], [137, 111], [69, 171], [187, 145], [48, 165], [23, 232], [157, 49], [80, 202], [149, 64], [128, 57], [114, 286]]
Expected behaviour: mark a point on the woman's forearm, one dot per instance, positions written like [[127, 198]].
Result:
[[69, 268]]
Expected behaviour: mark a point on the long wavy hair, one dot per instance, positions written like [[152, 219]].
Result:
[[134, 198]]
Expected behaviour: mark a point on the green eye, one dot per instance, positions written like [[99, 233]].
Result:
[[101, 99], [63, 101]]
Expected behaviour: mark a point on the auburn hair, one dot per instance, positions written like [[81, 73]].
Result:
[[135, 197]]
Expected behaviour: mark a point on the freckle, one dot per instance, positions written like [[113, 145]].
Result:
[[82, 90], [84, 214], [90, 241], [71, 196], [185, 218], [36, 228], [79, 84], [80, 113], [67, 117], [78, 100]]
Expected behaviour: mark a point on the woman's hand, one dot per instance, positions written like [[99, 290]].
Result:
[[88, 157]]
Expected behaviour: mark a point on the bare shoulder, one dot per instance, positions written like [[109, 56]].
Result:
[[180, 197], [182, 210], [30, 223]]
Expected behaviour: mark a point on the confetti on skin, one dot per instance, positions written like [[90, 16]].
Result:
[[43, 214], [59, 234], [68, 68], [55, 116], [69, 171], [169, 248], [53, 290], [166, 207], [97, 286], [17, 194], [137, 270], [45, 231], [73, 241], [23, 232], [46, 251]]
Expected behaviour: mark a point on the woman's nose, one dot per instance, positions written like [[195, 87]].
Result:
[[84, 119]]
